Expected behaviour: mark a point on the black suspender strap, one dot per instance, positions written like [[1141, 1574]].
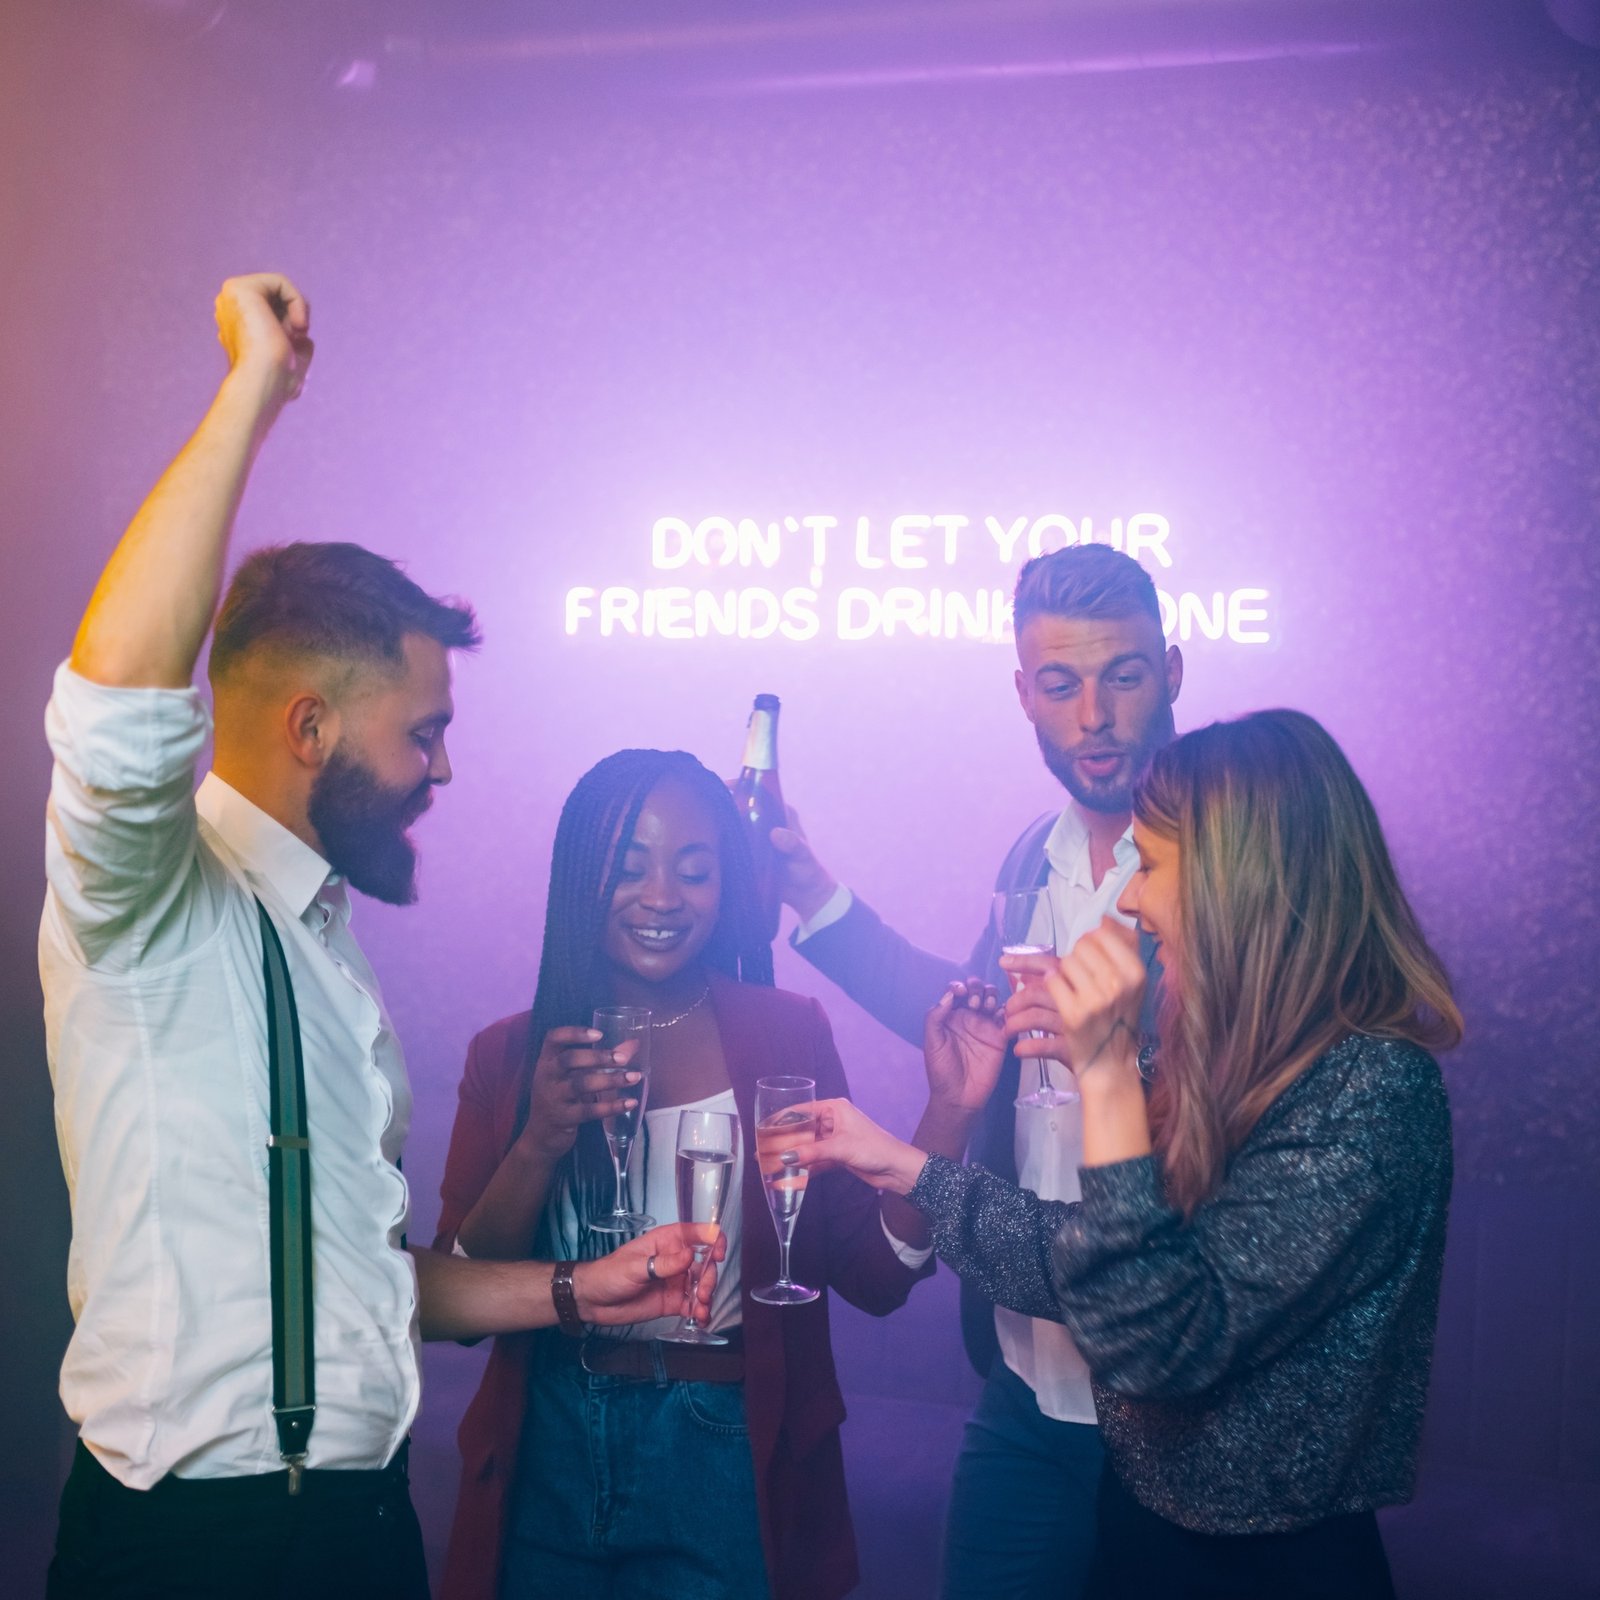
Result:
[[294, 1390]]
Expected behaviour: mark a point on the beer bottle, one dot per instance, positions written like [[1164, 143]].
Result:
[[757, 793]]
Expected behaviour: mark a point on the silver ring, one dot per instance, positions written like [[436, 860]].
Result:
[[650, 1270]]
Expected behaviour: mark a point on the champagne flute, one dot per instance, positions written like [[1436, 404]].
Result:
[[616, 1025], [777, 1125], [1025, 926], [708, 1154]]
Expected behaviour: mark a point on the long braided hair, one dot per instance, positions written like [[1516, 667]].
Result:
[[586, 865]]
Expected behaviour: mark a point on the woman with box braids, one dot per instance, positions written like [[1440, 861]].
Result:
[[590, 1461], [586, 867]]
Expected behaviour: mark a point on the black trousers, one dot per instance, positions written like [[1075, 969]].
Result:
[[1140, 1555], [344, 1536]]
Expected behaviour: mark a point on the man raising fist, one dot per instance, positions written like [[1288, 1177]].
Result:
[[243, 1408]]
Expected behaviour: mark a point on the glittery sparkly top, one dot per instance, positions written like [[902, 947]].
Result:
[[1265, 1365]]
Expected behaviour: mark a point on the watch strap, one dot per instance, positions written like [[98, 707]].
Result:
[[566, 1299]]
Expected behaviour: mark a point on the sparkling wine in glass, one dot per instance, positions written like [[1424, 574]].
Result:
[[616, 1025], [707, 1158], [778, 1123], [1026, 926]]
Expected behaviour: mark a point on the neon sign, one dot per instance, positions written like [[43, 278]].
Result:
[[746, 579]]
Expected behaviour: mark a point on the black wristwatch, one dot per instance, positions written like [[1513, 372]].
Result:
[[566, 1299]]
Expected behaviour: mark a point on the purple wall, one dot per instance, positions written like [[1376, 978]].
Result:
[[1335, 320]]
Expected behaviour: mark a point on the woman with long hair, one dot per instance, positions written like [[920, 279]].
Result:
[[633, 1466], [1252, 1273]]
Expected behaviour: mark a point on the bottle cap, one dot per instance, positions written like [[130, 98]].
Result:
[[767, 702]]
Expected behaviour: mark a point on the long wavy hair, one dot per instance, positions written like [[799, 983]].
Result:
[[592, 838], [1293, 932]]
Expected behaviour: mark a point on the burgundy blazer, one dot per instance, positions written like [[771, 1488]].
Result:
[[792, 1398]]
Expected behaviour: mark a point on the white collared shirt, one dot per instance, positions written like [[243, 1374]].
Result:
[[1049, 1143], [150, 959]]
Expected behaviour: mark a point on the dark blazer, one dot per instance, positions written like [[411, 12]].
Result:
[[792, 1400], [894, 981]]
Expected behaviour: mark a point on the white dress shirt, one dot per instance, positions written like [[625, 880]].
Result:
[[150, 958], [1049, 1143]]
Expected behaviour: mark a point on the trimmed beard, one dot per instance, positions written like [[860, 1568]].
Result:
[[362, 826], [1114, 796]]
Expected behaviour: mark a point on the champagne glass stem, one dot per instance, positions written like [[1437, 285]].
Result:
[[783, 1262], [697, 1267], [620, 1205]]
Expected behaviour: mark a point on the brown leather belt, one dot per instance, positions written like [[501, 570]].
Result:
[[644, 1360]]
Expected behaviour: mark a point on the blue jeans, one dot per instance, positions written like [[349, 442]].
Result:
[[1021, 1524], [630, 1490]]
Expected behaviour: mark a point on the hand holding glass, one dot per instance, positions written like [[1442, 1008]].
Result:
[[1025, 926], [616, 1025], [777, 1124], [707, 1158]]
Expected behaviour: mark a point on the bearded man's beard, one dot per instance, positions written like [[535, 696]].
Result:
[[362, 825]]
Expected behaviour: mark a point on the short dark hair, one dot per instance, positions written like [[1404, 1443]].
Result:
[[333, 600], [1084, 580]]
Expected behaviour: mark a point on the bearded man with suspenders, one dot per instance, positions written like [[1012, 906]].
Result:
[[231, 1100]]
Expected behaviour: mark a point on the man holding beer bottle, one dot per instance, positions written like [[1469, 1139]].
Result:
[[1097, 680]]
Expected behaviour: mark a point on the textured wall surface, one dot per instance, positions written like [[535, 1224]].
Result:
[[1338, 324], [1337, 321]]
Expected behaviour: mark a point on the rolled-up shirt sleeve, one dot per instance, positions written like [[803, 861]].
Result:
[[120, 853]]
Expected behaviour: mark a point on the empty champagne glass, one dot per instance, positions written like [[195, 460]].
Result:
[[1025, 925], [616, 1025], [708, 1157], [777, 1124]]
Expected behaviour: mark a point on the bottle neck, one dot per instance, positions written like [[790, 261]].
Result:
[[761, 742]]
